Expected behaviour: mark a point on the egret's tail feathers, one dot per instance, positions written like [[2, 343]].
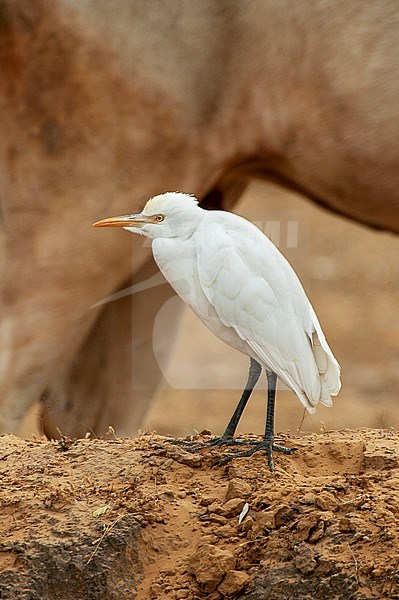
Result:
[[328, 367], [304, 400]]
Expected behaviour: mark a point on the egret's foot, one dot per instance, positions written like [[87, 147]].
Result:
[[182, 443], [222, 440], [265, 444], [190, 446]]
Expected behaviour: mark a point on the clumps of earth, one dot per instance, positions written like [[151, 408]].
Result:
[[144, 519]]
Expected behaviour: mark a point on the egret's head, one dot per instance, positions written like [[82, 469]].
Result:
[[173, 214]]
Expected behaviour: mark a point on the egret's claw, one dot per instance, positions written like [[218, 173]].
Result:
[[222, 440], [183, 443], [283, 449]]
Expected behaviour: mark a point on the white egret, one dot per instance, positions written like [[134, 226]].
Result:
[[245, 291]]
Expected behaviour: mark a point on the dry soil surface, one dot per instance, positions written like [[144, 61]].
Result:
[[142, 518]]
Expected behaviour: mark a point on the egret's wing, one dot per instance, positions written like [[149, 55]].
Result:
[[254, 290]]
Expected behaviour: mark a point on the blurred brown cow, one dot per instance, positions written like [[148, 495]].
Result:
[[104, 104]]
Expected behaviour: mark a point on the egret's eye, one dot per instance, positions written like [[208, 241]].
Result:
[[159, 218]]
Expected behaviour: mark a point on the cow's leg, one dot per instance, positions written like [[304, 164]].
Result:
[[113, 377]]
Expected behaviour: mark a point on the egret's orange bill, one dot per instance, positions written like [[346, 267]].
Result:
[[123, 221]]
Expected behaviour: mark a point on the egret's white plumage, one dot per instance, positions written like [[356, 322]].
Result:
[[242, 288]]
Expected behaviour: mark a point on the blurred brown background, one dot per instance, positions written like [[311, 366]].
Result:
[[99, 113]]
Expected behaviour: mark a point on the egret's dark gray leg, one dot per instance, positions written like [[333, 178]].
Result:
[[268, 438], [271, 402], [255, 370]]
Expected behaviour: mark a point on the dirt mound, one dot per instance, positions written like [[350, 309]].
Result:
[[140, 518]]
